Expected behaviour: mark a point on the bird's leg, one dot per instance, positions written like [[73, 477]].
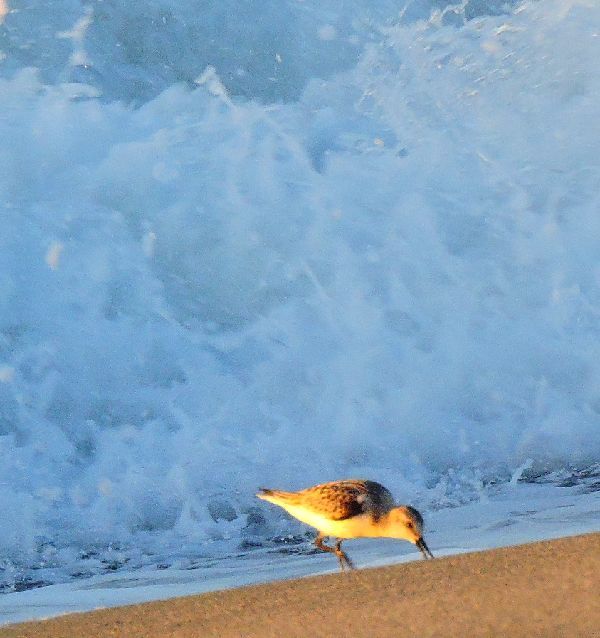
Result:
[[319, 542], [342, 556], [337, 550], [321, 545]]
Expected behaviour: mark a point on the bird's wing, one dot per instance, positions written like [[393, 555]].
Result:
[[340, 500]]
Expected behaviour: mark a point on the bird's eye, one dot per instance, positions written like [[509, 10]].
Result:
[[409, 525]]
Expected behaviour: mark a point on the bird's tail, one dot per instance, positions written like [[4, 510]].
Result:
[[278, 497]]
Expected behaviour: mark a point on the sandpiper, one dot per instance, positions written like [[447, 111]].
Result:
[[351, 509]]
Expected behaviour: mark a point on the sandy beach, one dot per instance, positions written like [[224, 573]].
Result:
[[546, 589]]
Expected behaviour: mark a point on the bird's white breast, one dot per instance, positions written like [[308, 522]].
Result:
[[348, 528]]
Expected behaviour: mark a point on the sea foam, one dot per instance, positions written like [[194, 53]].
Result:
[[381, 264]]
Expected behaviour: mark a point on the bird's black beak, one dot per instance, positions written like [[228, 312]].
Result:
[[422, 545]]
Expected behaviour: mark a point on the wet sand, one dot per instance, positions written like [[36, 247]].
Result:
[[549, 589]]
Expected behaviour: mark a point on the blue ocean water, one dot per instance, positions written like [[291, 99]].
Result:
[[279, 242]]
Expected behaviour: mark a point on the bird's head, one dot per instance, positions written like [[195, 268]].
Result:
[[406, 523]]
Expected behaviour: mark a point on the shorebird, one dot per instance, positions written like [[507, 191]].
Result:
[[351, 509]]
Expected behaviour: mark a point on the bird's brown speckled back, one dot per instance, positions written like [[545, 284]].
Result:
[[340, 500]]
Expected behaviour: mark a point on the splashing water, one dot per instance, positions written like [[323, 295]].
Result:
[[354, 242]]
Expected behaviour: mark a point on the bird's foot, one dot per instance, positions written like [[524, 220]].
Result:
[[345, 562], [343, 557]]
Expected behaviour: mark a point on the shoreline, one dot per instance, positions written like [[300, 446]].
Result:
[[546, 588]]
